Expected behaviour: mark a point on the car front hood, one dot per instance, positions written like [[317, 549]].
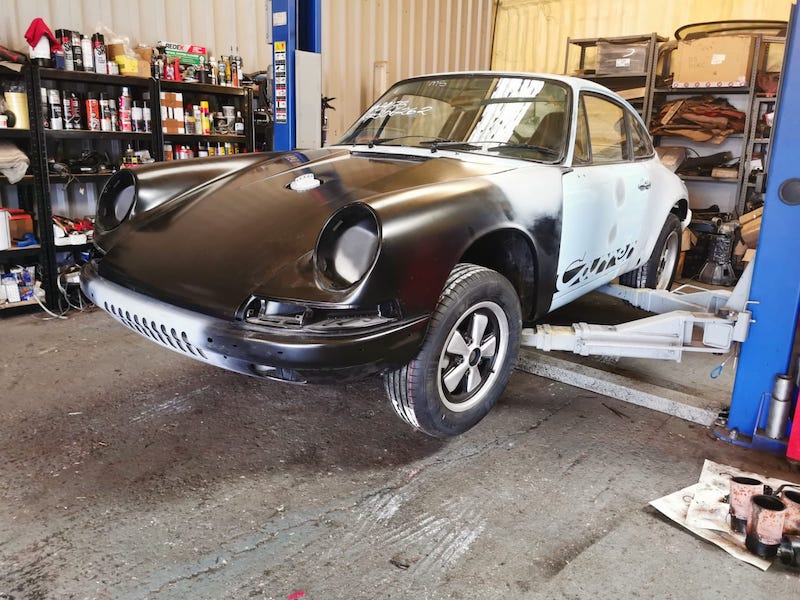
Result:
[[250, 232]]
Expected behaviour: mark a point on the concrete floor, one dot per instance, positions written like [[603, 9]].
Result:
[[132, 472]]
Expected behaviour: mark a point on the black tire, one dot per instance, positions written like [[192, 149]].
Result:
[[434, 392], [658, 272]]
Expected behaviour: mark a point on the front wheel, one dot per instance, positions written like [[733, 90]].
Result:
[[466, 359], [658, 272]]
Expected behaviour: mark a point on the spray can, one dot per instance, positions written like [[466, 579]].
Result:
[[105, 113], [204, 119], [77, 117], [221, 72], [77, 51], [99, 51], [45, 110], [67, 111], [65, 37], [88, 53], [125, 110], [146, 117], [137, 117], [92, 112], [112, 106], [56, 115], [212, 71], [239, 66]]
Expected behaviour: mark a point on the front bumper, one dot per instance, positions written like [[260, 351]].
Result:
[[294, 356]]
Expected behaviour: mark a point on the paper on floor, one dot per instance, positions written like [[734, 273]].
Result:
[[700, 508]]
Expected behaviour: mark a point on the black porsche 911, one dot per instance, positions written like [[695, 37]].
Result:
[[457, 207]]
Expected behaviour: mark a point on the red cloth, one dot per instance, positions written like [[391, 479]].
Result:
[[36, 30], [793, 451]]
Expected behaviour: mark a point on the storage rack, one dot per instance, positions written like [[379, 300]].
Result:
[[619, 82], [41, 144], [742, 142], [762, 103], [33, 195]]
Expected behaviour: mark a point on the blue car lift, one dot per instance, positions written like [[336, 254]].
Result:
[[775, 291], [296, 25]]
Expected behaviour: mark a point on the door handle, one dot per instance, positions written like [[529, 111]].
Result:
[[644, 185]]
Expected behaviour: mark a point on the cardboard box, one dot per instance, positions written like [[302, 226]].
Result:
[[753, 214], [19, 222], [621, 59], [714, 61], [172, 112], [688, 240], [750, 231], [115, 50]]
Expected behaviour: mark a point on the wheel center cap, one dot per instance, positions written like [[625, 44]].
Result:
[[474, 357]]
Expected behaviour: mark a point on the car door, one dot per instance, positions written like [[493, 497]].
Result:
[[605, 198]]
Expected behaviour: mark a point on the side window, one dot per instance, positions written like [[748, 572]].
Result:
[[640, 139], [607, 130], [581, 154]]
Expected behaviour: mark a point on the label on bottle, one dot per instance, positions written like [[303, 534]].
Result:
[[105, 115], [100, 62], [67, 112], [56, 115], [93, 114], [88, 54]]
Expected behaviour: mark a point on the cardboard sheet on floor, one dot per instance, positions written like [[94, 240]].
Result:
[[701, 509]]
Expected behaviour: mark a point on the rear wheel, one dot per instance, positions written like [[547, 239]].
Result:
[[659, 270], [466, 359]]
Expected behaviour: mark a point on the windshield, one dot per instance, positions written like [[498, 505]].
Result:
[[510, 116]]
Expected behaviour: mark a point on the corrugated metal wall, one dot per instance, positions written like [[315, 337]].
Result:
[[531, 35], [404, 37], [216, 24], [370, 44]]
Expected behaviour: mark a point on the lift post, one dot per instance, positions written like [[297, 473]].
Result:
[[296, 26], [776, 281]]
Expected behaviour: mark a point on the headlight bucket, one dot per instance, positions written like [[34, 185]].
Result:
[[116, 200], [348, 246]]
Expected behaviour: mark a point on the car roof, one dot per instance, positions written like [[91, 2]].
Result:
[[574, 82]]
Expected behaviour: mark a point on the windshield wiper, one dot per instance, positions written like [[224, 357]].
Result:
[[380, 141], [512, 146], [451, 145]]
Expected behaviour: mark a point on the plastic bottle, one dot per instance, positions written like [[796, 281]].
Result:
[[238, 124], [125, 106]]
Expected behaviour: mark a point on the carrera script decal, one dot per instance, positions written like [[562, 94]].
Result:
[[580, 270], [395, 108]]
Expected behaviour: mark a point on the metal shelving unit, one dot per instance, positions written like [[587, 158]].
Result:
[[619, 82], [749, 105], [32, 194]]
